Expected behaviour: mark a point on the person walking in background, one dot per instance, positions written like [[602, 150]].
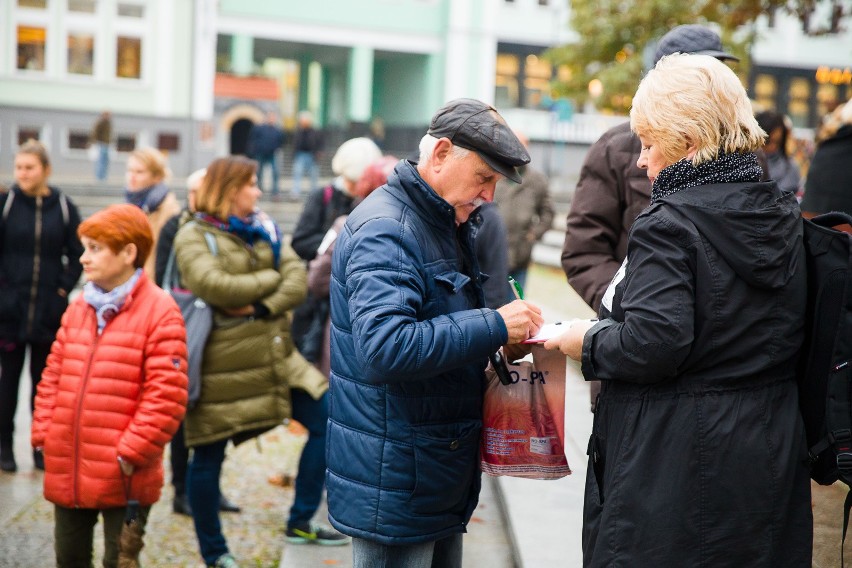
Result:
[[113, 392], [178, 452], [527, 211], [39, 266], [411, 340], [232, 257], [698, 420], [612, 190], [780, 168], [264, 141], [101, 137], [829, 183], [324, 205], [307, 146], [492, 252], [146, 188]]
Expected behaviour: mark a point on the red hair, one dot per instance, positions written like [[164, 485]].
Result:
[[375, 175], [118, 226]]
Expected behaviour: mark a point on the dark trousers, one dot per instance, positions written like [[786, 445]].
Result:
[[179, 458], [202, 488], [310, 479], [74, 531], [11, 366]]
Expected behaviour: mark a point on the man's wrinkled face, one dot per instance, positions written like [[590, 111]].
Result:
[[467, 183]]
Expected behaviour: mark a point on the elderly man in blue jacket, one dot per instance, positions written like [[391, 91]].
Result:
[[410, 340]]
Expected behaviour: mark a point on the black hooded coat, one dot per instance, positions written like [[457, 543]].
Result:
[[697, 456]]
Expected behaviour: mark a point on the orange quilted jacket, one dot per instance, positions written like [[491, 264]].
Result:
[[120, 393]]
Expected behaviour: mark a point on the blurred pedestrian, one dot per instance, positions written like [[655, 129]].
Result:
[[178, 452], [325, 204], [232, 257], [698, 420], [101, 138], [39, 266], [264, 141], [113, 392], [411, 340], [829, 183], [492, 252], [307, 147], [146, 188], [527, 211], [781, 168], [612, 190]]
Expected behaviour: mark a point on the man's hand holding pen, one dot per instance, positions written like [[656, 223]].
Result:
[[522, 319]]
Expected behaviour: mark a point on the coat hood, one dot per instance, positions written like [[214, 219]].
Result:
[[755, 227]]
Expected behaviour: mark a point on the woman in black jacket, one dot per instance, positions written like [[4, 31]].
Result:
[[39, 266], [697, 454]]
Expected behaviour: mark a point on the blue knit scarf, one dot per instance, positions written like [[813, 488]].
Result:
[[256, 226], [148, 199]]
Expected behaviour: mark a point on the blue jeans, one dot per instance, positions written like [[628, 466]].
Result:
[[444, 553], [310, 479], [304, 161], [202, 489], [102, 163], [262, 163]]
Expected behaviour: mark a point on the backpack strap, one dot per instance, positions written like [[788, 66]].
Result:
[[327, 192], [171, 276], [8, 205], [63, 205]]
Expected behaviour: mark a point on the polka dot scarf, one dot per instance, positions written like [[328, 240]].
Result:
[[727, 168]]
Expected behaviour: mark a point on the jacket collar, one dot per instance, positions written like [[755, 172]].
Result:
[[420, 195]]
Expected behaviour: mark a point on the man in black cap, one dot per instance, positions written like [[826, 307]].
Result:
[[410, 341], [612, 190]]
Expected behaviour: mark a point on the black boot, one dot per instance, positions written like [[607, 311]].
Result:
[[7, 457], [38, 460]]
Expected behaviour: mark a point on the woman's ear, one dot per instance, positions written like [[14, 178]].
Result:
[[129, 252], [691, 149]]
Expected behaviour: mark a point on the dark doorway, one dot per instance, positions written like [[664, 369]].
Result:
[[239, 136]]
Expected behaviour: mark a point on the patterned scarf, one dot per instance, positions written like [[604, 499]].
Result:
[[108, 304], [259, 225], [148, 199], [726, 168]]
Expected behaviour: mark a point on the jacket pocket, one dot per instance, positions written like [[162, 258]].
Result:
[[445, 461], [453, 280]]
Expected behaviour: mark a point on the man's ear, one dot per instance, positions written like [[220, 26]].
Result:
[[441, 153]]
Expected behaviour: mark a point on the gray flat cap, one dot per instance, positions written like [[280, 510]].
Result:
[[692, 38]]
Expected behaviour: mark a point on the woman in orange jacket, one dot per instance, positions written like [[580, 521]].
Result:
[[114, 390]]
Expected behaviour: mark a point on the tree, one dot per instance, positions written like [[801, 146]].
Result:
[[616, 38]]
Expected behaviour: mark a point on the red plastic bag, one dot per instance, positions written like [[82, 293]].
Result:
[[523, 423]]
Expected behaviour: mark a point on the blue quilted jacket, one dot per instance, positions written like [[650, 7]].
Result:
[[409, 342]]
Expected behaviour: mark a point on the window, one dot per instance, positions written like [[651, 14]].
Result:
[[168, 141], [125, 142], [543, 2], [86, 6], [506, 83], [798, 108], [128, 61], [538, 73], [40, 4], [31, 42], [28, 133], [765, 91], [78, 140], [131, 10], [81, 53]]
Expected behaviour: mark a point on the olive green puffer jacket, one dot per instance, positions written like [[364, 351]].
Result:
[[250, 364]]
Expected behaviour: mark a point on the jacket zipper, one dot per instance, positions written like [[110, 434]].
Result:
[[80, 397], [36, 267]]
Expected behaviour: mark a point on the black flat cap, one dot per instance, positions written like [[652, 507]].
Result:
[[692, 38], [474, 125]]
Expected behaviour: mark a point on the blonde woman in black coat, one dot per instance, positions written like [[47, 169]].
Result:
[[697, 455]]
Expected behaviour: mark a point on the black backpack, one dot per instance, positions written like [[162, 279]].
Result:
[[825, 365]]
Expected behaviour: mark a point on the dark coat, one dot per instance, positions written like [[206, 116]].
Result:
[[41, 261], [697, 455], [829, 183], [527, 211], [317, 218], [410, 341], [611, 192], [263, 140], [493, 257]]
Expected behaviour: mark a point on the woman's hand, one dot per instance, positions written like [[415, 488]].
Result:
[[245, 311], [571, 342]]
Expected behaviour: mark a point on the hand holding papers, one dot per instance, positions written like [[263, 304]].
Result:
[[551, 330], [568, 337]]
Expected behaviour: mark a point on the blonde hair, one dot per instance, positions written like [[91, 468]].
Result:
[[37, 149], [153, 160], [695, 100]]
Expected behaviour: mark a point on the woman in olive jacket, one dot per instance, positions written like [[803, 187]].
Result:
[[231, 256]]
